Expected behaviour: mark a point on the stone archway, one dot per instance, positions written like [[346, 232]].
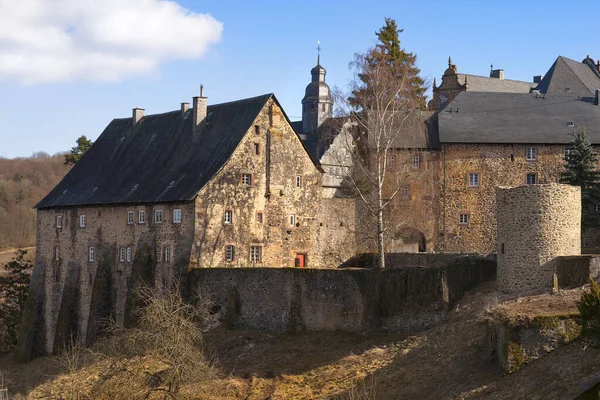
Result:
[[408, 240]]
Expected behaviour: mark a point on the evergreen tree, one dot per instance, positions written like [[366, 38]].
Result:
[[14, 294], [401, 63], [83, 144], [580, 170]]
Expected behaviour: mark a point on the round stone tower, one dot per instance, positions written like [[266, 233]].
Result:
[[536, 224]]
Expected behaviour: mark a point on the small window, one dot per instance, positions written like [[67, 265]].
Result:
[[59, 221], [463, 219], [256, 129], [141, 217], [298, 181], [122, 254], [567, 89], [473, 180], [405, 192], [416, 162], [229, 253], [167, 254], [292, 220], [569, 151], [256, 149], [259, 217], [392, 162], [531, 154], [57, 253], [128, 254], [91, 254], [246, 179], [323, 107], [82, 221], [158, 216], [177, 216], [228, 217], [531, 179], [570, 124], [130, 217], [255, 254]]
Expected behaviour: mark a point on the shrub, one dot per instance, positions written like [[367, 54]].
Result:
[[589, 309]]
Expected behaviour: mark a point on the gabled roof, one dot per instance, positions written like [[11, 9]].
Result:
[[478, 83], [158, 160], [580, 78], [477, 117]]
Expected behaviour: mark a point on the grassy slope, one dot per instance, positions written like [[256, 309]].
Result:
[[451, 361]]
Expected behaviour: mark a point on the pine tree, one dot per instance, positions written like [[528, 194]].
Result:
[[83, 144], [580, 170], [14, 294], [402, 64]]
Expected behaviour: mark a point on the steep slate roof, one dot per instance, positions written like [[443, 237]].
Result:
[[517, 118], [160, 149], [579, 77], [486, 84]]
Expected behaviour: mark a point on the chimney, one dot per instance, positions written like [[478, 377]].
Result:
[[597, 99], [497, 73], [538, 78], [137, 114], [184, 108], [199, 109]]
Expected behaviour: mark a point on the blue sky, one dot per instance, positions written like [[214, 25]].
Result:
[[246, 49]]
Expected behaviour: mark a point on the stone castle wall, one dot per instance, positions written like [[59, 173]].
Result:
[[536, 225]]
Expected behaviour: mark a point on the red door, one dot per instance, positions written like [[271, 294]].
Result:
[[300, 260]]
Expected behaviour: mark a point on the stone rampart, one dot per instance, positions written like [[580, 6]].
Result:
[[536, 225]]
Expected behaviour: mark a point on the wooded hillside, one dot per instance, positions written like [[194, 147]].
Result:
[[24, 182]]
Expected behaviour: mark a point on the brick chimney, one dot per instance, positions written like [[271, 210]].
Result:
[[137, 114], [497, 73], [184, 108], [199, 110]]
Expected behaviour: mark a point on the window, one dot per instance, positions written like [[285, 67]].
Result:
[[570, 124], [91, 254], [416, 162], [531, 179], [292, 220], [443, 99], [392, 162], [298, 181], [158, 216], [141, 217], [259, 217], [128, 254], [246, 179], [473, 179], [323, 107], [255, 254], [597, 207], [256, 149], [229, 253], [567, 89], [531, 154], [167, 254], [228, 218], [122, 254], [57, 253], [130, 217], [256, 130], [463, 219], [59, 221], [405, 192], [177, 216], [82, 221], [569, 151]]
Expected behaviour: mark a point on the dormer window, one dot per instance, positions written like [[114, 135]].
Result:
[[570, 124], [567, 89]]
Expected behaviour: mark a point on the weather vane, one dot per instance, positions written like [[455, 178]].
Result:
[[318, 52]]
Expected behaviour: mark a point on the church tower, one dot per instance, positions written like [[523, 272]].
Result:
[[317, 104]]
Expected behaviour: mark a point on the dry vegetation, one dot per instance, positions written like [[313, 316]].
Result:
[[451, 361], [24, 182]]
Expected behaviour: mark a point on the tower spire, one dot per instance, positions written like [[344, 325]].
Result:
[[318, 52]]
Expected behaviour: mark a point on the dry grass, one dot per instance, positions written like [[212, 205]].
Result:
[[451, 361]]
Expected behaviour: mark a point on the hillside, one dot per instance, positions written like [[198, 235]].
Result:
[[451, 361], [24, 182]]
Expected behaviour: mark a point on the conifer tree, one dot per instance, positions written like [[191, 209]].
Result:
[[14, 294], [580, 170], [83, 144]]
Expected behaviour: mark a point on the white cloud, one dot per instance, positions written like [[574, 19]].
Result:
[[97, 40]]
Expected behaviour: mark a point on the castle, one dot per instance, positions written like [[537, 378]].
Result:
[[239, 185]]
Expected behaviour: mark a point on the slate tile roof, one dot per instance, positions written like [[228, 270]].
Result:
[[478, 83], [579, 78], [158, 160], [477, 117]]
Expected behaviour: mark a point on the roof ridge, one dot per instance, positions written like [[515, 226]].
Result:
[[489, 77]]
